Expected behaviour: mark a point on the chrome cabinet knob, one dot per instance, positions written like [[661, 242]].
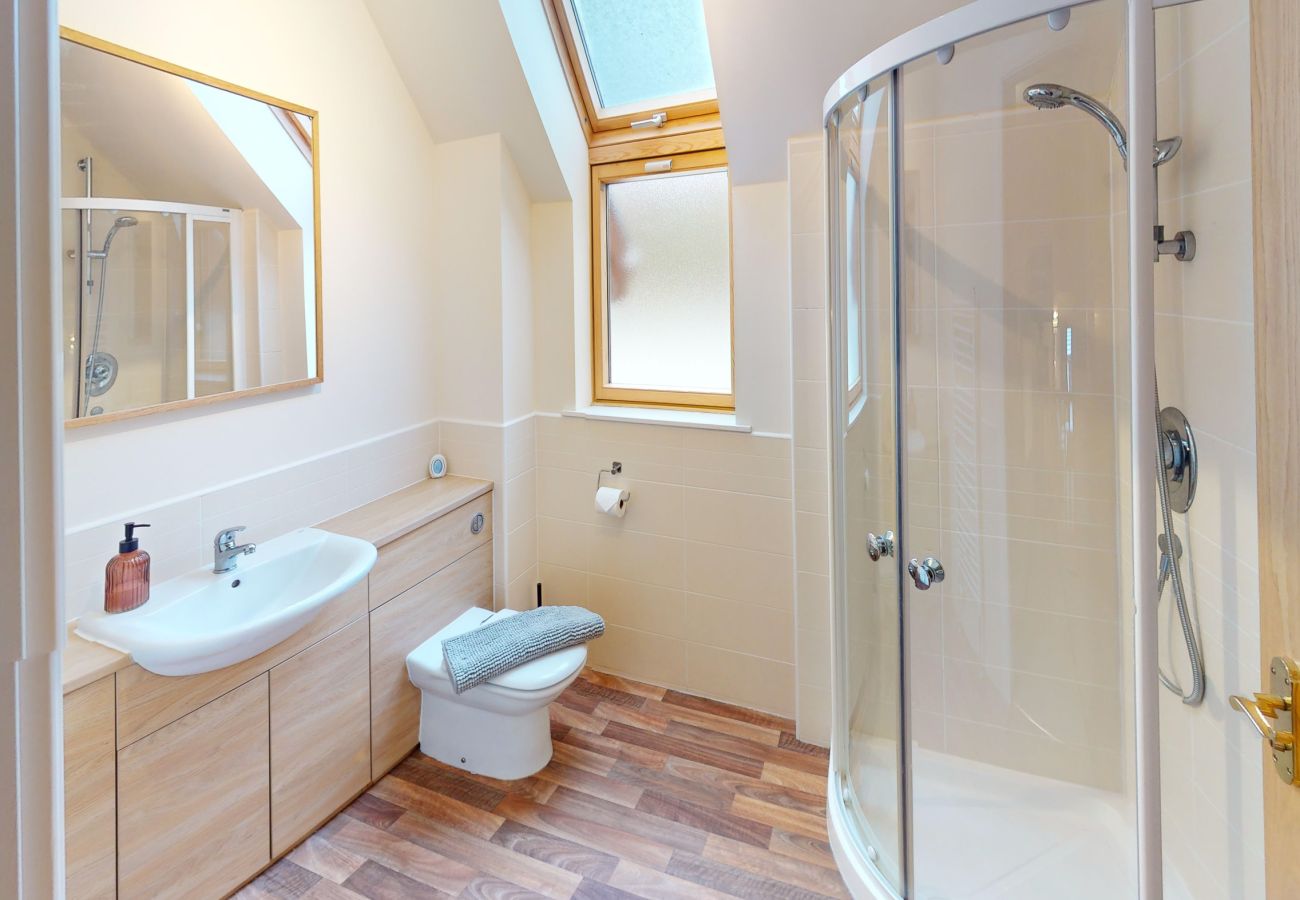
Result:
[[476, 524], [880, 545], [925, 573]]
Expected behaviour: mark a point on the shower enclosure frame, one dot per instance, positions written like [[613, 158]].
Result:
[[189, 213], [885, 65]]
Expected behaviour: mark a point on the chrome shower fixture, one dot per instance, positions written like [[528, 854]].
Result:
[[1056, 96], [1046, 95], [119, 223]]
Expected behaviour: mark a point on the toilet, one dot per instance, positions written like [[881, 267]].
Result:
[[500, 729]]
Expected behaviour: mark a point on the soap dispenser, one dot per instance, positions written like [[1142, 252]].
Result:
[[126, 578]]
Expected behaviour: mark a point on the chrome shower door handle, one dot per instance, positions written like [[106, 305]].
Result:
[[880, 545], [925, 573]]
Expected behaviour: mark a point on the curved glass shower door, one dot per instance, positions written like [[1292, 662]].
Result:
[[982, 411], [869, 749]]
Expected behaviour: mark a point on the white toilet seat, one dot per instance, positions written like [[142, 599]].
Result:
[[500, 728]]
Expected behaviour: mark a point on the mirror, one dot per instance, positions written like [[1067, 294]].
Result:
[[190, 237]]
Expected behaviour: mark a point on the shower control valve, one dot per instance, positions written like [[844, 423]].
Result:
[[925, 573], [880, 545]]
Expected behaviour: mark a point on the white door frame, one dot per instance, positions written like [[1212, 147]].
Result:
[[31, 602]]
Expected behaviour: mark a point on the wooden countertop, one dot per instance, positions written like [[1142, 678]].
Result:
[[380, 522], [389, 518]]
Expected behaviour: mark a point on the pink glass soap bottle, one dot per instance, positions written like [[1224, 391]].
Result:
[[126, 578]]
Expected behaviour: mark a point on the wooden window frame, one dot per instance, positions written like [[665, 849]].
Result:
[[683, 118], [602, 391]]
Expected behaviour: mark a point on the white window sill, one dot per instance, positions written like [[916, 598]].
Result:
[[643, 415]]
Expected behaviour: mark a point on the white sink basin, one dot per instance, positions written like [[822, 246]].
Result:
[[201, 621]]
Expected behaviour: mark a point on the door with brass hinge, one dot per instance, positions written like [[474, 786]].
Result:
[[1275, 115]]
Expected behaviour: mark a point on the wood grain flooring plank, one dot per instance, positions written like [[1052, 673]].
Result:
[[737, 882], [488, 887], [811, 782], [373, 810], [328, 890], [626, 685], [721, 724], [456, 785], [668, 782], [317, 854], [762, 861], [722, 780], [800, 846], [654, 884], [713, 821], [729, 711], [487, 857], [595, 890], [440, 807], [555, 851], [790, 742], [687, 748], [649, 827], [809, 824], [578, 829], [598, 743], [615, 791], [635, 717], [605, 694], [577, 719], [392, 852], [283, 881], [791, 759], [378, 882], [581, 758]]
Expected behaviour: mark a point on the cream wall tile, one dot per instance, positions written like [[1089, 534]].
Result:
[[743, 627], [753, 576], [644, 607], [814, 715], [736, 678], [640, 655], [747, 521], [814, 657]]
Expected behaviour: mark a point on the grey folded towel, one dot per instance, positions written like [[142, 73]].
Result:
[[480, 655]]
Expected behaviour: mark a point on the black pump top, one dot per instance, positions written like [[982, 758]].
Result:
[[131, 543]]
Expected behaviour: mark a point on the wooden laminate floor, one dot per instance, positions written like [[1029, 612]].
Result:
[[651, 794]]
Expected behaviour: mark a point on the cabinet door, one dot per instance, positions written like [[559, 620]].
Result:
[[397, 628], [320, 733], [89, 792], [193, 801], [410, 559]]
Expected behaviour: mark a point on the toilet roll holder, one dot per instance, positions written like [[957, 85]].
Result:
[[615, 468]]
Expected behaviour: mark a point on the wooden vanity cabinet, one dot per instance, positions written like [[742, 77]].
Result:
[[193, 801], [190, 786], [397, 628], [320, 733], [89, 791]]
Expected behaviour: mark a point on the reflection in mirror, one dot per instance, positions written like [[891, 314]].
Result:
[[190, 237]]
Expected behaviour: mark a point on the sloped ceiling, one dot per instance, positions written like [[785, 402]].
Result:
[[773, 61], [459, 64]]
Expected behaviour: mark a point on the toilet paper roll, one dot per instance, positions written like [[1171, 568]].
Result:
[[611, 501]]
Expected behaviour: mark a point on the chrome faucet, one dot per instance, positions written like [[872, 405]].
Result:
[[226, 553]]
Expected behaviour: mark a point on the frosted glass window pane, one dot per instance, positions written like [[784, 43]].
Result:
[[669, 264], [639, 52]]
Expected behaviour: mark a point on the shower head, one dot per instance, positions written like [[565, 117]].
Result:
[[1055, 96], [118, 223]]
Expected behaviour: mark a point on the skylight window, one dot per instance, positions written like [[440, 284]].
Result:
[[640, 56]]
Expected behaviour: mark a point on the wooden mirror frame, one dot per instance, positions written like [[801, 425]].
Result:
[[94, 43]]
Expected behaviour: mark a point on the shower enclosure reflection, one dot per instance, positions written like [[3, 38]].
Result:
[[189, 233]]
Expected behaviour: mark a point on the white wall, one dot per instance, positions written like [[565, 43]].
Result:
[[377, 242]]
